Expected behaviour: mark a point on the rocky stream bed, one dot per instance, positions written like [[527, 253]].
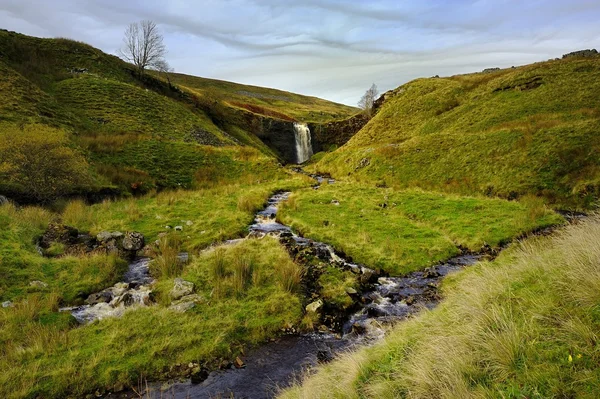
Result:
[[381, 302]]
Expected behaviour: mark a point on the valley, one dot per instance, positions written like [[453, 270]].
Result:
[[166, 235]]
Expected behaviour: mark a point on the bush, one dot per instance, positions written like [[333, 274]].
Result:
[[38, 160]]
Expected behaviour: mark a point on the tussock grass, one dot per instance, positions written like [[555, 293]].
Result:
[[41, 354], [166, 263], [524, 325]]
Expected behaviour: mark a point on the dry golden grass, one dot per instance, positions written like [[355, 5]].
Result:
[[523, 326]]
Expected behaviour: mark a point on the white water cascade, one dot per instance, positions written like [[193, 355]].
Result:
[[303, 142]]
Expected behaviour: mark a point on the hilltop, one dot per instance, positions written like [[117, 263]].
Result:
[[531, 130], [140, 133]]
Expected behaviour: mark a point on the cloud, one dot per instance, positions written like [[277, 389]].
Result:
[[328, 48]]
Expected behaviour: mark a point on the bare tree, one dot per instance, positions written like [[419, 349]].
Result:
[[143, 45], [163, 67], [368, 100]]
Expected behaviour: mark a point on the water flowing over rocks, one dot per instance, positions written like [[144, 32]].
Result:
[[303, 142], [380, 302], [134, 291]]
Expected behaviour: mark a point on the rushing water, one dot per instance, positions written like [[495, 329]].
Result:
[[303, 142], [277, 364]]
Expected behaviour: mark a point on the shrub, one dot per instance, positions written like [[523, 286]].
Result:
[[38, 160]]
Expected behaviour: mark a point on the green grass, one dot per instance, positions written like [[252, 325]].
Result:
[[142, 133], [54, 360], [111, 106], [264, 101], [486, 134], [402, 231], [70, 279], [216, 214], [525, 325]]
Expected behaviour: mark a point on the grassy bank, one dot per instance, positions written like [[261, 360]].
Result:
[[524, 325], [42, 359], [207, 216], [401, 231]]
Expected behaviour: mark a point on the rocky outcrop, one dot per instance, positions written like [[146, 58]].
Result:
[[326, 135], [582, 53], [59, 233], [133, 241], [181, 288], [126, 245]]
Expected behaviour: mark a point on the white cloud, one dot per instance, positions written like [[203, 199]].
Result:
[[330, 48]]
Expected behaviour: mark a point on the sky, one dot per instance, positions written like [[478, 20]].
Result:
[[332, 49]]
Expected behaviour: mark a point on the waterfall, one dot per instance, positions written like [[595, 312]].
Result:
[[303, 143]]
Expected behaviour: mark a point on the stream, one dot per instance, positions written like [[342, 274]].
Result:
[[277, 364]]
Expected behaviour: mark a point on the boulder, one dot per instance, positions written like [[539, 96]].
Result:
[[7, 304], [38, 284], [60, 233], [181, 288], [133, 241], [314, 307], [106, 236], [3, 200], [99, 297], [182, 307]]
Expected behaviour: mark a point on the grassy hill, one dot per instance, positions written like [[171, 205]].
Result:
[[268, 102], [532, 130], [136, 133]]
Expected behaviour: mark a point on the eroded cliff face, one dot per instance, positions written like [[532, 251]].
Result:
[[336, 133]]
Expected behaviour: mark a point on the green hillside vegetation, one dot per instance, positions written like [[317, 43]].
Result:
[[44, 356], [136, 133], [525, 325], [527, 130], [404, 231], [270, 102], [40, 347]]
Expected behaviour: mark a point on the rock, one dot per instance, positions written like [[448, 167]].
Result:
[[431, 272], [324, 356], [168, 227], [182, 307], [60, 233], [582, 53], [351, 291], [99, 297], [178, 228], [335, 202], [313, 307], [490, 70], [38, 284], [363, 163], [106, 236], [133, 241], [189, 223], [239, 363], [181, 288], [186, 303], [367, 275], [3, 200], [7, 304], [198, 375]]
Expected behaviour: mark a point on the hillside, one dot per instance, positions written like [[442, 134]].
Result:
[[137, 134], [532, 130]]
